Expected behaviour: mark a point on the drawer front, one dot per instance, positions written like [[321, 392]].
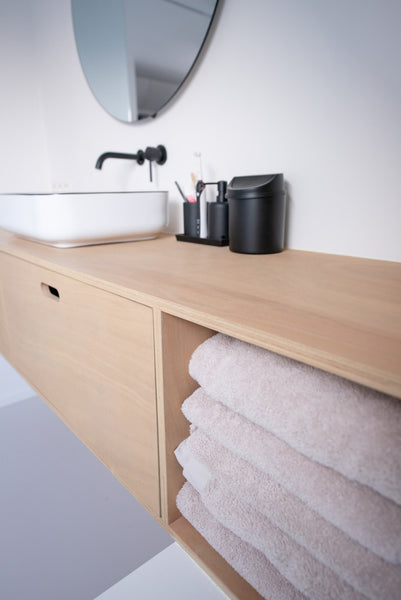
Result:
[[90, 355]]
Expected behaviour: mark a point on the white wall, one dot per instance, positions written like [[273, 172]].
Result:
[[311, 89], [23, 150]]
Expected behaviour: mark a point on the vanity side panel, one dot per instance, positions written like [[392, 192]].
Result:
[[90, 355], [177, 341]]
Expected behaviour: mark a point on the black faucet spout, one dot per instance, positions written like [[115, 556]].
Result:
[[139, 157]]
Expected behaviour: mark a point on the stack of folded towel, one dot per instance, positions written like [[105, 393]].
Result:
[[293, 475]]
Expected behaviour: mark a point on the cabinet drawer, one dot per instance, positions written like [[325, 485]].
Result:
[[90, 355]]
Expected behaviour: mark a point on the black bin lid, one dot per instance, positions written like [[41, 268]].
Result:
[[255, 186]]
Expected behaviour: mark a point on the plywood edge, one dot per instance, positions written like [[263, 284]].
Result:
[[176, 340], [161, 416], [211, 562], [333, 362]]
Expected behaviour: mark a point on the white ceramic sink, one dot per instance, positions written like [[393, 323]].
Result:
[[66, 220]]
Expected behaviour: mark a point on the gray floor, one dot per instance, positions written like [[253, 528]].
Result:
[[68, 529]]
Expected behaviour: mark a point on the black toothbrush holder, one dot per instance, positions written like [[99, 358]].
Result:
[[217, 217], [190, 219]]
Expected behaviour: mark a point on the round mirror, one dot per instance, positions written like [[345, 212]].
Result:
[[136, 53]]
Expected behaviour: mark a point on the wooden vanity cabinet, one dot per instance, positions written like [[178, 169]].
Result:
[[90, 355], [105, 334]]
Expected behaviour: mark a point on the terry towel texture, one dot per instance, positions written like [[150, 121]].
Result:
[[296, 564], [342, 425], [209, 466], [363, 514], [297, 470], [246, 560]]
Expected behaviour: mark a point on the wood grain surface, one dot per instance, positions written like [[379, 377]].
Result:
[[339, 313], [90, 355]]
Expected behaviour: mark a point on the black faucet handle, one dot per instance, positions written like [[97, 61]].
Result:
[[159, 154]]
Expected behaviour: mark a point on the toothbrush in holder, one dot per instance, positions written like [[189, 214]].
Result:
[[200, 186]]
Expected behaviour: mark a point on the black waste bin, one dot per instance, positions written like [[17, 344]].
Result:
[[256, 214]]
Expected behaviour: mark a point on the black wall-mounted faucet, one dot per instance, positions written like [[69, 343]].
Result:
[[158, 155], [139, 157]]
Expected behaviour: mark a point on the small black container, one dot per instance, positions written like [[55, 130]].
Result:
[[256, 214], [191, 219]]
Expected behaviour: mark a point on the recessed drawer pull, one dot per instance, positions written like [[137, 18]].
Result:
[[50, 291]]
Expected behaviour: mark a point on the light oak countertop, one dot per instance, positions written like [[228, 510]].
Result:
[[339, 313]]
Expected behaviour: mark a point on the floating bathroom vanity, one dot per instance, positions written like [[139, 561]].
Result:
[[104, 335]]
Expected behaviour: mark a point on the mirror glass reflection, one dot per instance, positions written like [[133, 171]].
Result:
[[136, 53]]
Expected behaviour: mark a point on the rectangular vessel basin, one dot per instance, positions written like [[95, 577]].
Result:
[[81, 219]]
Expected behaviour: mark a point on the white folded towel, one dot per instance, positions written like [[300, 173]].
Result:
[[369, 518], [250, 563], [342, 425], [207, 465], [295, 563]]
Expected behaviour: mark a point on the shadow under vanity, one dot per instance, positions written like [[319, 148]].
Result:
[[104, 334]]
